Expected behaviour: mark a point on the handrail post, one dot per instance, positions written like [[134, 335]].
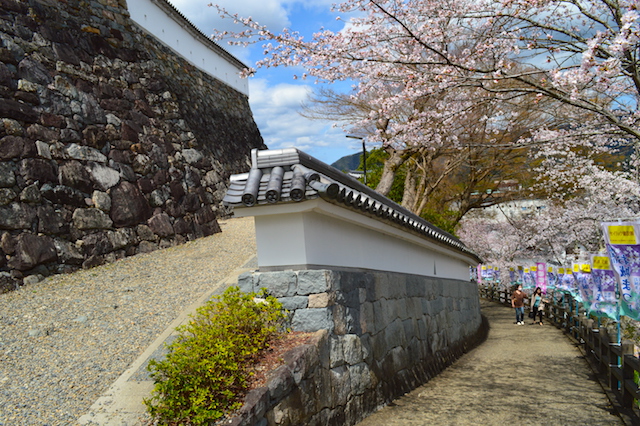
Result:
[[569, 318], [614, 361], [628, 373]]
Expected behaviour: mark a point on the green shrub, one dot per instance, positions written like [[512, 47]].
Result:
[[205, 372]]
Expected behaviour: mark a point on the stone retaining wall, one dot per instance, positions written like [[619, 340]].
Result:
[[380, 336], [111, 144]]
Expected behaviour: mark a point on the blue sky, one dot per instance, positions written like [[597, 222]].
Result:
[[275, 97]]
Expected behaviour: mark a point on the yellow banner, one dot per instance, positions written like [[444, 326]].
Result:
[[622, 234], [585, 267], [601, 262]]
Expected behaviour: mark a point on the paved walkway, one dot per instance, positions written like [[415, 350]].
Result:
[[523, 375]]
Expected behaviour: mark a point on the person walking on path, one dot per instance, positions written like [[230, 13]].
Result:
[[517, 302], [537, 305]]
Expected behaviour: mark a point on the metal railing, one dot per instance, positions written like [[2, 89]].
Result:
[[614, 364]]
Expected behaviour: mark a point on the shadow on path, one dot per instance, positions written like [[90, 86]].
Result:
[[525, 375]]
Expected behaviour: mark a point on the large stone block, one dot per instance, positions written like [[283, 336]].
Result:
[[312, 320], [84, 153], [11, 147], [32, 250], [324, 395], [91, 218], [321, 300], [398, 286], [416, 286], [301, 361], [52, 221], [360, 376], [160, 224], [68, 253], [280, 383], [34, 71], [96, 244], [279, 284], [313, 281], [245, 282], [294, 303], [128, 205], [340, 385], [352, 349], [367, 320], [104, 177], [7, 196], [17, 216], [395, 334], [382, 287], [367, 350], [336, 351], [7, 173], [378, 315], [379, 345], [17, 111], [37, 170], [410, 327]]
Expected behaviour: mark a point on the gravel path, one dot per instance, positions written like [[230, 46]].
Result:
[[63, 341]]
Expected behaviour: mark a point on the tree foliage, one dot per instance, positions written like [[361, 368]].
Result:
[[454, 92], [411, 57]]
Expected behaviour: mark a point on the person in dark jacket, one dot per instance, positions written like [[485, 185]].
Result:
[[517, 302]]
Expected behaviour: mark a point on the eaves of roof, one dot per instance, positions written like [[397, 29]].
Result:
[[290, 176]]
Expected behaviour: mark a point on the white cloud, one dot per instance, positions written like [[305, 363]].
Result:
[[276, 110], [276, 102]]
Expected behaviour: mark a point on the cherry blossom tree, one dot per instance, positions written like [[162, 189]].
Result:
[[582, 53], [419, 68], [448, 178], [568, 222]]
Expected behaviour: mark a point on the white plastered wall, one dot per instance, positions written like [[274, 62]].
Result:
[[157, 22], [320, 234]]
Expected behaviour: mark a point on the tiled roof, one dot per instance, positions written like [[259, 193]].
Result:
[[289, 176]]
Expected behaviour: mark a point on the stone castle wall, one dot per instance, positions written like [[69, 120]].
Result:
[[110, 143], [379, 335]]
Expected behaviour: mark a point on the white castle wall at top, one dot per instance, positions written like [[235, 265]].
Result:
[[183, 38]]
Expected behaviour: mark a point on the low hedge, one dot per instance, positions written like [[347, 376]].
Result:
[[205, 372]]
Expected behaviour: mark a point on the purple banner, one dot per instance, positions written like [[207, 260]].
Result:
[[552, 278], [529, 279], [605, 301], [585, 285], [622, 245]]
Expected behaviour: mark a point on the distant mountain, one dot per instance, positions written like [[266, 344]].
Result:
[[348, 162]]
